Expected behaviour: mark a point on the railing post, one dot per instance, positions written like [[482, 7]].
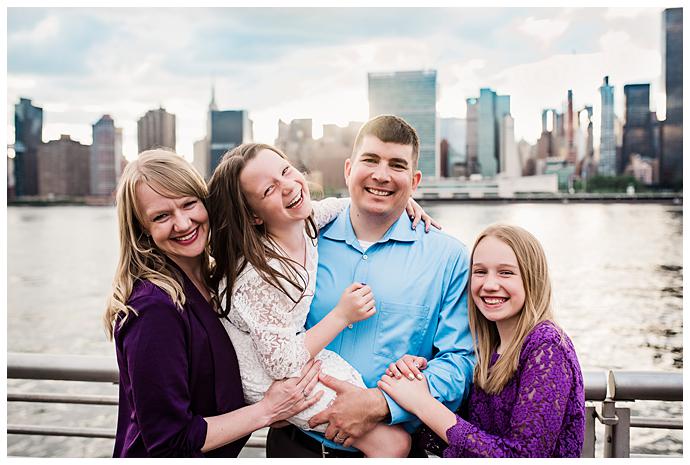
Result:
[[590, 433], [621, 433]]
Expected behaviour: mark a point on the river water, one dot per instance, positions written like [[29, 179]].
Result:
[[616, 271]]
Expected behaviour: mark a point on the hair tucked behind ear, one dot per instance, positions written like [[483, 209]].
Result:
[[236, 240]]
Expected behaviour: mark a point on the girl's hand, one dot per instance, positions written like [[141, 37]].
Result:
[[356, 304], [286, 398], [416, 213], [408, 366], [409, 394]]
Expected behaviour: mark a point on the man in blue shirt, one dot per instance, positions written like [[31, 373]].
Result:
[[419, 283]]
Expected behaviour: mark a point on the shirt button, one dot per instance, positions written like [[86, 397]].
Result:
[[350, 326], [364, 257]]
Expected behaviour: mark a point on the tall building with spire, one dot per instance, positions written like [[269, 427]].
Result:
[[226, 129], [412, 96], [156, 129], [607, 142], [28, 134]]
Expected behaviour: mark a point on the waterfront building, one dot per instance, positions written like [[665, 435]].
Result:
[[671, 138], [509, 163], [63, 168], [28, 133], [10, 173], [453, 149], [491, 110], [486, 188], [637, 131], [105, 162], [156, 129], [607, 143], [641, 169], [571, 153], [411, 95], [201, 158], [227, 130], [295, 140], [472, 135]]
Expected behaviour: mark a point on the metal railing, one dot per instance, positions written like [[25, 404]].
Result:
[[602, 391]]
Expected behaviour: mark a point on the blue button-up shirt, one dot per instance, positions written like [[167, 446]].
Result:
[[419, 282]]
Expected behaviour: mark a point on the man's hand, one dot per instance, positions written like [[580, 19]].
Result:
[[353, 413]]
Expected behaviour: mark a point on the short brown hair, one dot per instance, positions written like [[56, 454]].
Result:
[[390, 128]]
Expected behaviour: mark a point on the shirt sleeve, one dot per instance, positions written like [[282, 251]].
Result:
[[544, 385], [268, 313], [328, 209], [449, 372], [154, 345]]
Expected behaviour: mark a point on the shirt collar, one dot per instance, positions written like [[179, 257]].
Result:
[[341, 229]]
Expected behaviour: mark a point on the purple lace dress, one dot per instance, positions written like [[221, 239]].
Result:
[[539, 413]]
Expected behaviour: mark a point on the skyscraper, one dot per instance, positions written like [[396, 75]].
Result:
[[472, 136], [454, 133], [637, 131], [571, 156], [607, 146], [28, 132], [156, 129], [106, 156], [491, 110], [671, 159], [63, 168], [410, 95], [509, 163], [227, 130]]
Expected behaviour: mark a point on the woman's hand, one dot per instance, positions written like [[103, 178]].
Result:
[[416, 213], [356, 304], [408, 366], [285, 398], [411, 395]]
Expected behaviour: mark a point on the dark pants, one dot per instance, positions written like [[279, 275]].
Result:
[[290, 442]]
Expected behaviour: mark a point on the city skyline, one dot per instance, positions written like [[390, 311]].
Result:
[[79, 64]]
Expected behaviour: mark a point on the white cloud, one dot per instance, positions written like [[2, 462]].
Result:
[[543, 29], [46, 29]]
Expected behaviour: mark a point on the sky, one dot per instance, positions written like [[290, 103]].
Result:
[[80, 63]]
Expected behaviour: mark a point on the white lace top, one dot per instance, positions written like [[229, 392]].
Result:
[[267, 328]]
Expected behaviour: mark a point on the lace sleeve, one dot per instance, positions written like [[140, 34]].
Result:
[[544, 386], [327, 209], [267, 312]]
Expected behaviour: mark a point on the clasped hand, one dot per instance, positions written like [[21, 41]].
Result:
[[405, 383]]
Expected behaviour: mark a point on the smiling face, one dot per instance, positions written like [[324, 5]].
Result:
[[276, 192], [178, 226], [496, 284], [381, 177]]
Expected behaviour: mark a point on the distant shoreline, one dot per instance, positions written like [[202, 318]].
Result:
[[670, 198]]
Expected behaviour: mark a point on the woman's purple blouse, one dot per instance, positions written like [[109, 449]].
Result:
[[176, 367], [539, 413]]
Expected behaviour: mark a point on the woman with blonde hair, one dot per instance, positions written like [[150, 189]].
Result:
[[528, 396], [180, 391]]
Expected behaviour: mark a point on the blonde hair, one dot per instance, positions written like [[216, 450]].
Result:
[[537, 308], [172, 176]]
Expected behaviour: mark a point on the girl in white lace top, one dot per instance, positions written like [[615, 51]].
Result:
[[263, 238]]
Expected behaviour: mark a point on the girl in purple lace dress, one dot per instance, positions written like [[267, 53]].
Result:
[[528, 396]]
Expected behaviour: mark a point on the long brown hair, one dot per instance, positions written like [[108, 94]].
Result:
[[236, 240], [537, 308], [170, 175]]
